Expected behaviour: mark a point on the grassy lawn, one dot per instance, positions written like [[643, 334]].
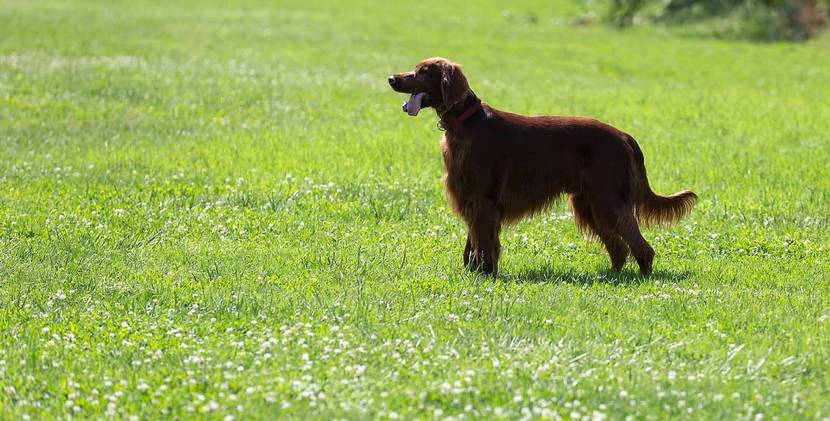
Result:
[[219, 209]]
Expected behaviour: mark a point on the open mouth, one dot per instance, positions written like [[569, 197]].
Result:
[[416, 102]]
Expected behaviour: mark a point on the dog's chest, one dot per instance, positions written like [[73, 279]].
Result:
[[456, 155]]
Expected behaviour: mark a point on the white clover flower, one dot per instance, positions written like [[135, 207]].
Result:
[[211, 406], [359, 370]]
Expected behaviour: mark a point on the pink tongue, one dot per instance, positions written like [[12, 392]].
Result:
[[414, 104]]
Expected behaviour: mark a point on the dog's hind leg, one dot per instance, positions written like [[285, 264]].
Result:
[[616, 247], [583, 218], [629, 230], [590, 224]]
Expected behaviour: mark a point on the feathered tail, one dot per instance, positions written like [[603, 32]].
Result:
[[652, 208]]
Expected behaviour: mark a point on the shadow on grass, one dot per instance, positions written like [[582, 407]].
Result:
[[626, 277]]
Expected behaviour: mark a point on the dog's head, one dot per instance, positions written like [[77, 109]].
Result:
[[435, 82]]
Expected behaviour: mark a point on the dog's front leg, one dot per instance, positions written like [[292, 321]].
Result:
[[483, 239], [468, 252]]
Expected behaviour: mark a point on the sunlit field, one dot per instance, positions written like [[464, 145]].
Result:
[[218, 209]]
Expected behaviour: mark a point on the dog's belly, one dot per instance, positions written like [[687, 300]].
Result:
[[524, 193], [515, 198], [519, 187]]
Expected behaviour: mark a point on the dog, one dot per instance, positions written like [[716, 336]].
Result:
[[501, 167]]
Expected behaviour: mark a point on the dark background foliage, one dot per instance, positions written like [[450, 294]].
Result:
[[766, 20]]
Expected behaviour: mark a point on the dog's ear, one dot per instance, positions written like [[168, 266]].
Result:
[[453, 84]]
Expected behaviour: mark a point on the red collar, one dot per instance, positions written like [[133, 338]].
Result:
[[466, 114]]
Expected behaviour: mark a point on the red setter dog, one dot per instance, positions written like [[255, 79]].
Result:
[[501, 167]]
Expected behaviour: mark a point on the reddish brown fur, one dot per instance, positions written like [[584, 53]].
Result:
[[501, 167]]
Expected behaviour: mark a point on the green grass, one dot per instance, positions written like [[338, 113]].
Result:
[[220, 208]]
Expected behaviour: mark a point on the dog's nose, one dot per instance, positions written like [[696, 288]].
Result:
[[392, 80]]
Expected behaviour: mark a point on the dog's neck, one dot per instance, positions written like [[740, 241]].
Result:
[[455, 116]]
